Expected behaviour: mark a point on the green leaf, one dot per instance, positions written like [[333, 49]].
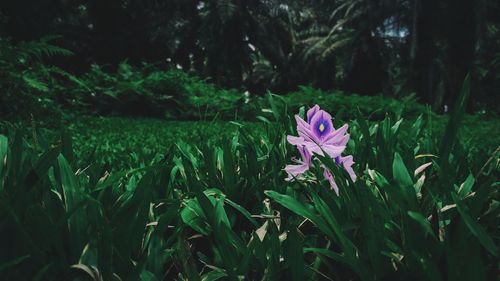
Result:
[[243, 211], [295, 206], [35, 83], [73, 196], [13, 263], [45, 161], [403, 180], [220, 215], [43, 230], [328, 253], [475, 228], [186, 259], [293, 255], [193, 215], [449, 138], [101, 230], [148, 276], [228, 169], [3, 156], [41, 273], [400, 172], [466, 187], [426, 225], [67, 146], [213, 275], [131, 217]]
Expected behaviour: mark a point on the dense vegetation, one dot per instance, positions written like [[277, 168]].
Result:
[[394, 47], [211, 202], [150, 140]]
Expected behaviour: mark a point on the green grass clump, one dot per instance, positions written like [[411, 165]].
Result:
[[127, 142]]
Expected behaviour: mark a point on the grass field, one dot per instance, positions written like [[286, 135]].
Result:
[[147, 199], [118, 140]]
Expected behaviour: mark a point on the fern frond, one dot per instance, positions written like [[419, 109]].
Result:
[[42, 48], [35, 83]]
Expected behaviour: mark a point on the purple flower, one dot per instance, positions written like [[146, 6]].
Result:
[[347, 162], [329, 177], [318, 135], [295, 171]]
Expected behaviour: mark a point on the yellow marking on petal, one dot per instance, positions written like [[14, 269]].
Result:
[[321, 127]]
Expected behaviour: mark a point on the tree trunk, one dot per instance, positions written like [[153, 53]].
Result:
[[461, 45], [424, 69], [367, 73]]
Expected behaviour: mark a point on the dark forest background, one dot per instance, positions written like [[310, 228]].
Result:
[[369, 47]]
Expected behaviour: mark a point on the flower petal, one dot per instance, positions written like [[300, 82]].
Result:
[[347, 163], [304, 130], [294, 171], [333, 150], [313, 148], [306, 155], [329, 177], [311, 112], [299, 141], [336, 135]]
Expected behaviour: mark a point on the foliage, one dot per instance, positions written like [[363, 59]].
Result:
[[122, 142], [138, 142], [150, 91], [373, 108], [394, 47], [25, 83], [219, 208], [33, 87]]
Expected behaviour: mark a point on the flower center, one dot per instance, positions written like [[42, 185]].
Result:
[[321, 127], [337, 160]]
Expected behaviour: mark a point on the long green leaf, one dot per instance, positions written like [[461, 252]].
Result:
[[449, 138], [73, 196], [3, 155], [300, 209], [475, 228]]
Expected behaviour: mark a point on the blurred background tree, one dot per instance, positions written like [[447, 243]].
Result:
[[389, 47]]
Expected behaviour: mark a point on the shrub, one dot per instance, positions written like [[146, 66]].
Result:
[[150, 91], [26, 82], [373, 107]]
